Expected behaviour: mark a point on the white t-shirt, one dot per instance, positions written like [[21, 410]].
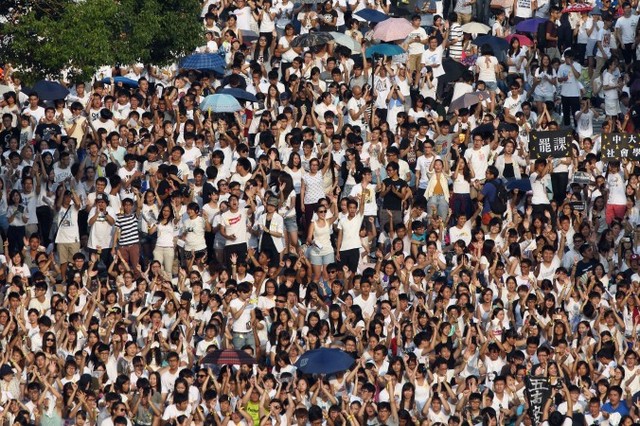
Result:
[[194, 234], [571, 87], [585, 124], [370, 205], [617, 193], [235, 224], [627, 28], [68, 231], [432, 57], [101, 233], [350, 232], [416, 37], [243, 323]]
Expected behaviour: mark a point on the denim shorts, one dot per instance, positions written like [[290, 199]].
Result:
[[492, 86], [290, 224], [319, 260]]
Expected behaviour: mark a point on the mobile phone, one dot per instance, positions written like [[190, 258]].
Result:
[[21, 208]]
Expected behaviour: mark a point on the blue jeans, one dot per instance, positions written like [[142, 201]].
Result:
[[241, 340], [440, 203]]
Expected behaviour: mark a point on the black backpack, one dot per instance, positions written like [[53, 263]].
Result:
[[499, 203], [541, 35]]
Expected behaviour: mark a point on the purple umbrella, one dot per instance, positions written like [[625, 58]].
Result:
[[530, 25]]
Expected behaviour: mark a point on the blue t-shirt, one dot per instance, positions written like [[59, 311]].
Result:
[[622, 408], [490, 192]]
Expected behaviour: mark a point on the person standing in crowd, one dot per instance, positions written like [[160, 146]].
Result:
[[467, 255]]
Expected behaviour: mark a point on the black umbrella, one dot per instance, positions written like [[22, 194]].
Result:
[[453, 70], [484, 129], [315, 38]]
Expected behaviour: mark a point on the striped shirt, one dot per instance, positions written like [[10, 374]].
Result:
[[455, 49], [128, 227]]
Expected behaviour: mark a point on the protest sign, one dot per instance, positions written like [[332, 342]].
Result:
[[555, 144], [616, 146], [538, 391]]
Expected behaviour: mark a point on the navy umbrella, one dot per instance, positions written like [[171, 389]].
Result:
[[239, 94], [519, 184], [203, 61], [324, 361], [371, 15], [497, 44], [50, 90]]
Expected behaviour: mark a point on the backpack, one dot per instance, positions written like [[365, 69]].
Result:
[[499, 203], [541, 35]]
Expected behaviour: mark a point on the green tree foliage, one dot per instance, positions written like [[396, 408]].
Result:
[[82, 35]]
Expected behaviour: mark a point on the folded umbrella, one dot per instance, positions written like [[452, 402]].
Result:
[[228, 357], [523, 39], [392, 29], [324, 361], [50, 90], [315, 38], [220, 103], [468, 99], [346, 41], [529, 25], [384, 49], [371, 15], [128, 82], [239, 94], [203, 61], [475, 28]]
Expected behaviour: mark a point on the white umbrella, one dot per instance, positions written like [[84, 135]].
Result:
[[476, 28], [346, 41]]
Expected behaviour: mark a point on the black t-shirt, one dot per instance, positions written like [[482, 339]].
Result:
[[391, 201], [585, 266], [47, 131], [6, 135], [326, 18]]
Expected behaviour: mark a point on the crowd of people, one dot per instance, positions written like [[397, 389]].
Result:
[[346, 205]]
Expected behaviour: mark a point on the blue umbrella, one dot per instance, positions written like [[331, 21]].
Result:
[[203, 61], [384, 49], [241, 95], [529, 25], [124, 80], [220, 103], [324, 361], [372, 15], [50, 90]]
